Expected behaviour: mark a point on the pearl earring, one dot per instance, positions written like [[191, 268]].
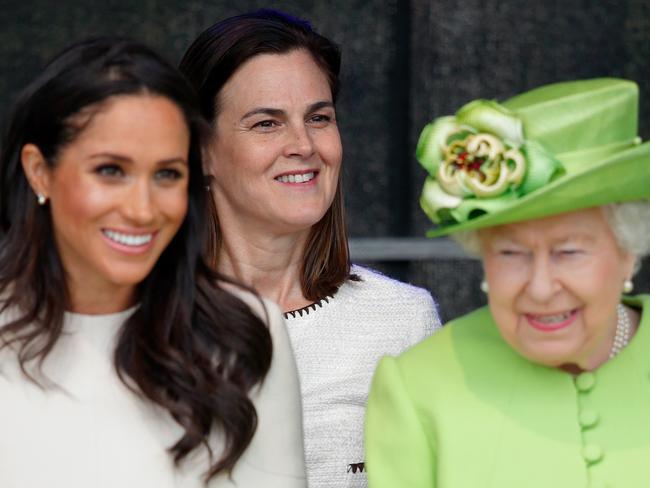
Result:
[[484, 286], [41, 199], [628, 286]]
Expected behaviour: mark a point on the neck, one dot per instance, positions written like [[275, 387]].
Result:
[[272, 264], [94, 296], [95, 299]]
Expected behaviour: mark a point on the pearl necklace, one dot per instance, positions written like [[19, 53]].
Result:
[[623, 331]]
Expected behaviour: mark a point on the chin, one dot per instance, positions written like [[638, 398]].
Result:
[[303, 221], [128, 278], [553, 356]]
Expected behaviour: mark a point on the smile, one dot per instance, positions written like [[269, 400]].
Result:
[[130, 240], [552, 322], [296, 178]]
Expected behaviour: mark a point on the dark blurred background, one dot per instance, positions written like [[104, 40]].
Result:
[[404, 63]]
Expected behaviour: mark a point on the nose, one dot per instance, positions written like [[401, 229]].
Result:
[[542, 283], [138, 205], [299, 142]]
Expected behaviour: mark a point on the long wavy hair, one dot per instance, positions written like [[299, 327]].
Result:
[[190, 346], [211, 61]]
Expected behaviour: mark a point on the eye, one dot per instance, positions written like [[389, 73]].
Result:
[[509, 252], [265, 124], [109, 170], [569, 252], [319, 120], [169, 174]]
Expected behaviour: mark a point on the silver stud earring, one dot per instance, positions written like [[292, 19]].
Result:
[[42, 199], [484, 286], [628, 286]]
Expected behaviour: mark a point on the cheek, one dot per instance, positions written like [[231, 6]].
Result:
[[600, 290], [174, 205], [75, 201], [601, 280], [502, 297], [503, 281], [606, 273], [502, 307], [238, 162], [331, 150]]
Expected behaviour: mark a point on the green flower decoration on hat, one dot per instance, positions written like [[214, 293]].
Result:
[[489, 163], [479, 160]]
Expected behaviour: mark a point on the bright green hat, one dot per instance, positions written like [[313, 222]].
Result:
[[557, 148]]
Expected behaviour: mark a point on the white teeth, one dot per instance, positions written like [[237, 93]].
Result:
[[128, 239], [297, 178], [551, 319]]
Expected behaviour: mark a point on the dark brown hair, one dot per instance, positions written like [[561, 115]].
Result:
[[210, 62], [190, 346]]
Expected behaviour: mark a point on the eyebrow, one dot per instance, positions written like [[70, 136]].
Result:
[[276, 112], [128, 160], [318, 105], [505, 241], [578, 236]]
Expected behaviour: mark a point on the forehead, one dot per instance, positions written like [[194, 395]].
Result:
[[588, 224], [139, 126], [277, 79], [129, 110]]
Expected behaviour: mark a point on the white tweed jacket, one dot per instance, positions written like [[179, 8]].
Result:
[[337, 344]]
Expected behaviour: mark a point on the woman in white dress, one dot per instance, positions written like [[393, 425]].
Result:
[[124, 360], [268, 84]]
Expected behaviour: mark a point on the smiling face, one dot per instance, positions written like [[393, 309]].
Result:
[[276, 153], [117, 194], [554, 284]]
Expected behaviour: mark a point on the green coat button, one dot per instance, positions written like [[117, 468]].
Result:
[[592, 453], [588, 418], [585, 381]]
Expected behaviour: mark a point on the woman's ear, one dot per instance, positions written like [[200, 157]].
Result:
[[208, 156], [630, 265], [36, 170]]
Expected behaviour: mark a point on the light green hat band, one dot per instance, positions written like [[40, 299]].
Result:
[[554, 149]]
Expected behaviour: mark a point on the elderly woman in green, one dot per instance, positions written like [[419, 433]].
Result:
[[549, 385]]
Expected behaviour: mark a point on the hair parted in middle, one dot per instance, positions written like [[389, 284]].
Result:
[[186, 326], [210, 62]]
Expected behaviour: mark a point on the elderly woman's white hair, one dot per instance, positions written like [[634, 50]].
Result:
[[630, 223]]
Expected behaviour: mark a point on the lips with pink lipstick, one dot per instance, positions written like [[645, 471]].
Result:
[[552, 322], [129, 242], [297, 177]]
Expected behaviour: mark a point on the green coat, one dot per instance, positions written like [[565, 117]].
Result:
[[463, 410]]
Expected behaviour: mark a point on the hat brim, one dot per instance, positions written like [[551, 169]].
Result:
[[620, 178]]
